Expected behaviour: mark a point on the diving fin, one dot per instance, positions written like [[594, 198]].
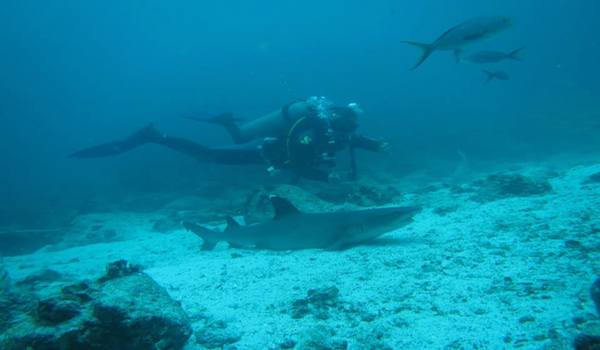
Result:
[[147, 134]]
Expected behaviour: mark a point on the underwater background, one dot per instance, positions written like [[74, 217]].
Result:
[[77, 73]]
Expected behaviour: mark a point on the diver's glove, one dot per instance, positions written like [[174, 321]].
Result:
[[334, 178], [273, 171], [384, 147]]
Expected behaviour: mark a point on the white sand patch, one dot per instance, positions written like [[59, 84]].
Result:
[[511, 273]]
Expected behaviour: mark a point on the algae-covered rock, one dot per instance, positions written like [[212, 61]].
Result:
[[216, 335], [318, 302], [499, 186], [586, 342], [595, 294], [593, 179], [44, 276], [53, 311], [359, 193], [5, 297], [4, 279], [119, 268], [136, 313], [258, 207], [21, 242], [125, 309], [321, 338]]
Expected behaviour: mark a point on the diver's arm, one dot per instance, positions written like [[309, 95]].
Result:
[[367, 143]]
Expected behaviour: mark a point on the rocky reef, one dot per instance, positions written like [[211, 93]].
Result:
[[325, 304], [19, 241], [318, 198], [586, 341], [124, 309], [499, 186], [593, 179]]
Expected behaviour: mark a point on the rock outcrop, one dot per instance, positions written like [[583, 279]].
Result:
[[125, 309], [499, 186]]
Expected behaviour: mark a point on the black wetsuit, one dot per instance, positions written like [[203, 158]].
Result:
[[307, 149]]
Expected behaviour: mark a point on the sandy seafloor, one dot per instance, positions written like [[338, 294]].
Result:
[[507, 273]]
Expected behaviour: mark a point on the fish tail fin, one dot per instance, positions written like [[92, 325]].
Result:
[[514, 55], [208, 236], [426, 51], [489, 75], [458, 55]]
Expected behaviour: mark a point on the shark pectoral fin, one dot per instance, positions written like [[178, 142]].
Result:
[[208, 244], [209, 239], [231, 224], [282, 207]]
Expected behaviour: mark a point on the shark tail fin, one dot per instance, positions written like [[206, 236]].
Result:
[[208, 236], [514, 55], [426, 50]]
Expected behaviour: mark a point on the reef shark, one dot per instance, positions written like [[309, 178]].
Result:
[[291, 229]]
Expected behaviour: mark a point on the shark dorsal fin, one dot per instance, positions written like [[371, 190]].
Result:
[[283, 207], [231, 224]]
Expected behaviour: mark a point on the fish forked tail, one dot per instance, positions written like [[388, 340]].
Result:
[[514, 55], [489, 75], [208, 236], [426, 51]]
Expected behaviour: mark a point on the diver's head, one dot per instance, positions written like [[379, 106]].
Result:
[[345, 119]]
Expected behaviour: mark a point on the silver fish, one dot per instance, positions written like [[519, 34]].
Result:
[[466, 33], [291, 229], [483, 57]]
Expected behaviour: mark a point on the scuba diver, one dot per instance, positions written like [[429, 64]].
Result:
[[302, 137]]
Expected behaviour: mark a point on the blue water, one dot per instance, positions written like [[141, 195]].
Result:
[[78, 73]]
